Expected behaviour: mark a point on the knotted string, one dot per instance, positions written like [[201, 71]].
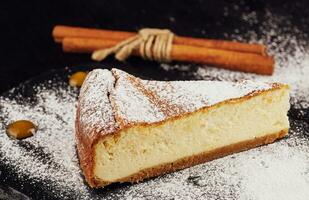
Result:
[[152, 44]]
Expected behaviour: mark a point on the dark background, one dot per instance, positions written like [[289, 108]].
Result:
[[27, 48]]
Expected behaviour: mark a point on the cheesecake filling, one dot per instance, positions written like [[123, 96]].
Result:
[[141, 147]]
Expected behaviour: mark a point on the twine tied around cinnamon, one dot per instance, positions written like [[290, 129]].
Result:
[[152, 44]]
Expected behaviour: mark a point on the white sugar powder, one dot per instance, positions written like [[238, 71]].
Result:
[[290, 52], [279, 170], [54, 112], [276, 171]]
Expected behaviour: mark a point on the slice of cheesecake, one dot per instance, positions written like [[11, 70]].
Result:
[[128, 129]]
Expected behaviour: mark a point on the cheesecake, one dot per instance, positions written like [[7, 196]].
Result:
[[129, 129]]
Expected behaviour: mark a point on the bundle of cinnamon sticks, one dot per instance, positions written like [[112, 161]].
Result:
[[224, 54]]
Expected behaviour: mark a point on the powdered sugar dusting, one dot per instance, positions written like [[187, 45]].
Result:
[[141, 101], [192, 95], [132, 105], [51, 161], [49, 156], [96, 113], [293, 181], [276, 171]]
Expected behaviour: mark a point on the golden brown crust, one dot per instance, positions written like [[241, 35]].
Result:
[[198, 159], [84, 144]]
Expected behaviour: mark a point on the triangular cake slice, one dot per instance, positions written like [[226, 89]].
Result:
[[129, 129]]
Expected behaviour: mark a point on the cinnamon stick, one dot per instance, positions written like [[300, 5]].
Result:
[[60, 32], [246, 62], [85, 45], [236, 61]]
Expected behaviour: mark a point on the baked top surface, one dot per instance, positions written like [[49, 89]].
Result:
[[110, 100]]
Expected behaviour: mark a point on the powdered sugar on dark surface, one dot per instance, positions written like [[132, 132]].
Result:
[[48, 163], [48, 160]]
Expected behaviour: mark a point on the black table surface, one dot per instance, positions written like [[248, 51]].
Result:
[[27, 48]]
